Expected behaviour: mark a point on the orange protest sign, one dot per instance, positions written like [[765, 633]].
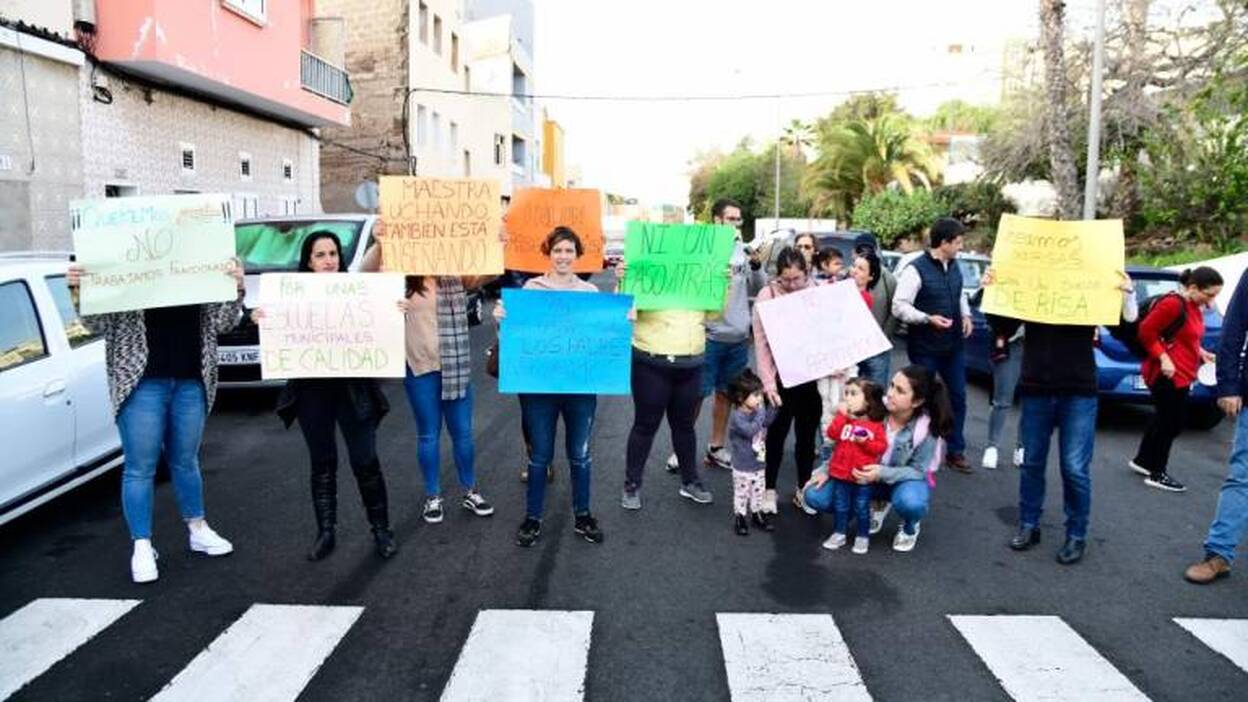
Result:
[[534, 212], [441, 226]]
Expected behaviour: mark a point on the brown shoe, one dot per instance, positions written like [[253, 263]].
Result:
[[959, 463], [1208, 570]]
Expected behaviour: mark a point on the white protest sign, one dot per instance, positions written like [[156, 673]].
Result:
[[818, 331], [331, 325]]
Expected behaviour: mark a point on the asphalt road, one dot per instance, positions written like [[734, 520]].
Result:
[[654, 587]]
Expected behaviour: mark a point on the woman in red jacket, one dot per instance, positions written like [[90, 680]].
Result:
[[1171, 367]]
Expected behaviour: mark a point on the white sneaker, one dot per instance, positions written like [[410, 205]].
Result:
[[878, 517], [769, 502], [861, 545], [673, 465], [905, 542], [720, 457], [1138, 468], [990, 458], [206, 541], [1018, 457], [143, 562], [799, 501], [835, 541]]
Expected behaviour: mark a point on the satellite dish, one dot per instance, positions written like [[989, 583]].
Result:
[[368, 195]]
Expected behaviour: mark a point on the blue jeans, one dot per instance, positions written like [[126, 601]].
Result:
[[876, 369], [1231, 517], [952, 370], [1074, 418], [1004, 383], [168, 413], [847, 495], [424, 392], [724, 362], [541, 416], [910, 499]]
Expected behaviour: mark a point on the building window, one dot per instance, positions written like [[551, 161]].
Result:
[[251, 9], [437, 35], [244, 165], [424, 24], [114, 190], [467, 164], [454, 52], [454, 137], [288, 170], [518, 155], [519, 83], [500, 149], [422, 125], [436, 129], [188, 158], [467, 80]]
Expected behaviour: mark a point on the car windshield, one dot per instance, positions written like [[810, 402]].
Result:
[[1152, 287], [269, 247]]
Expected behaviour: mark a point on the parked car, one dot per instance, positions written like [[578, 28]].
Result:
[[56, 419], [889, 259], [613, 253], [1117, 370], [771, 244]]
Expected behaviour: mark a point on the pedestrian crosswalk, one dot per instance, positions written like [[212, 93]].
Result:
[[273, 652]]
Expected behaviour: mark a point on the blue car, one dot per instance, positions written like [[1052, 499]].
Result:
[[1117, 370]]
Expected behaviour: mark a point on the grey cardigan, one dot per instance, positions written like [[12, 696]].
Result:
[[125, 335]]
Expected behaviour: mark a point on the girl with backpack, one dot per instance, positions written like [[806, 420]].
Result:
[[1170, 334]]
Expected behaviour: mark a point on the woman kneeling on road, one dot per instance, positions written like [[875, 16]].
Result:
[[918, 423], [357, 406], [162, 378], [541, 411]]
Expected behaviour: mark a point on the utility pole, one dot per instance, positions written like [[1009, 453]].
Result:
[[1094, 117]]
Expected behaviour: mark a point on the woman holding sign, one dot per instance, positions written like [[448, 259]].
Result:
[[799, 406], [356, 406], [162, 378], [541, 411]]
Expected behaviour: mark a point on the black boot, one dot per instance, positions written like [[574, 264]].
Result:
[[325, 504], [376, 506], [1025, 538]]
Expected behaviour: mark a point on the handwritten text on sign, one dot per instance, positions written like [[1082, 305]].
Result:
[[161, 251], [331, 325], [677, 266], [535, 212], [1056, 272], [436, 226], [565, 342], [818, 331]]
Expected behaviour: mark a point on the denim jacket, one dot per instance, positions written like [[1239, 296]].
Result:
[[913, 454]]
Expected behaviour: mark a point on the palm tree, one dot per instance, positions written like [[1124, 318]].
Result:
[[797, 136], [1057, 119], [864, 156]]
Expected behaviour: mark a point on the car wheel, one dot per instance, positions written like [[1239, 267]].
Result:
[[1204, 417]]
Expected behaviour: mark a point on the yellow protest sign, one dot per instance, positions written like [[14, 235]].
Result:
[[441, 226], [1057, 272]]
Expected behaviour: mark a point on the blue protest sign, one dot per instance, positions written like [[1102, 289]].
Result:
[[565, 343]]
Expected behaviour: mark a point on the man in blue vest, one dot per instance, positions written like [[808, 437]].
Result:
[[929, 300]]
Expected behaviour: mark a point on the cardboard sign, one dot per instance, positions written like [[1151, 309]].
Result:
[[331, 325], [160, 251], [534, 212], [677, 266], [1057, 272], [818, 331], [440, 226], [565, 342]]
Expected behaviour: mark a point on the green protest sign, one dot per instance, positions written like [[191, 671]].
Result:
[[677, 266], [159, 251]]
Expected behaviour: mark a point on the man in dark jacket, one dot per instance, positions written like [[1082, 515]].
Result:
[[929, 300], [1231, 517]]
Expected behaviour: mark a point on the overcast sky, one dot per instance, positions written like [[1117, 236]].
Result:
[[734, 47]]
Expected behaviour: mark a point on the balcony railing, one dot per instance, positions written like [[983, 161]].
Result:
[[323, 78]]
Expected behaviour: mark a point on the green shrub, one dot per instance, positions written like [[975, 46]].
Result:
[[893, 214], [978, 204]]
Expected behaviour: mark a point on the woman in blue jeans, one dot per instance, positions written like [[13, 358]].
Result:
[[919, 421], [1006, 356], [439, 381], [541, 411], [162, 379]]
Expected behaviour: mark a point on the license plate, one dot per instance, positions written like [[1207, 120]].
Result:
[[1137, 382], [238, 357]]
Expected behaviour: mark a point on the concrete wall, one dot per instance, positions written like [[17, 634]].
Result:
[[54, 15]]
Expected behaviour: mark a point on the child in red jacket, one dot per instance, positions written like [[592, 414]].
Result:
[[860, 437]]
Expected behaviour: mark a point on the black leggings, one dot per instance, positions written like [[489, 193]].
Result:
[[1165, 426], [801, 406], [658, 390], [319, 410]]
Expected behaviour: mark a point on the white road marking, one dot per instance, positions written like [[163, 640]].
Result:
[[1041, 658], [519, 655], [1226, 636], [268, 655], [781, 657], [35, 637]]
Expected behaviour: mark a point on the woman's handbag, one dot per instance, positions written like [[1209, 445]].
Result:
[[491, 359]]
